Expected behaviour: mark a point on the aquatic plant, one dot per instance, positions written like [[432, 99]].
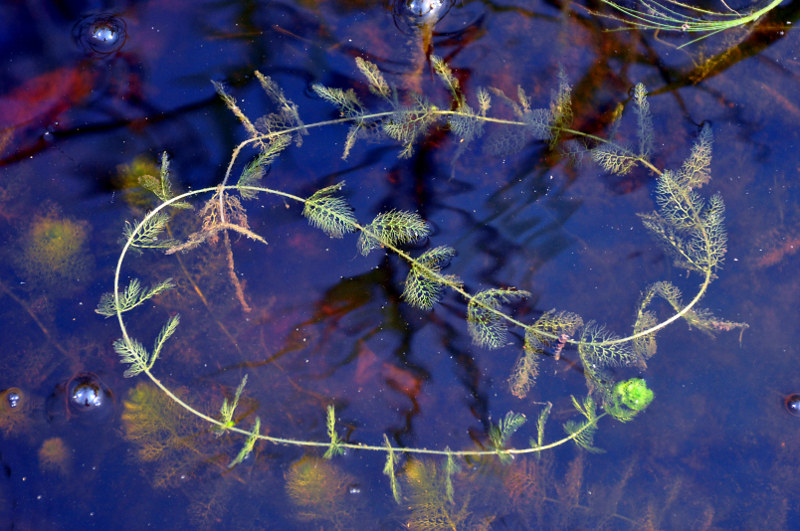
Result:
[[320, 491], [674, 16], [54, 255], [55, 456], [689, 226], [168, 438]]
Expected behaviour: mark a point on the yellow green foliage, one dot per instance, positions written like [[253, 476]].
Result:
[[430, 507], [164, 433], [54, 455], [128, 179], [319, 491], [54, 253]]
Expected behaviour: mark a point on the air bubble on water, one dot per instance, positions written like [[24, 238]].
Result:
[[101, 34]]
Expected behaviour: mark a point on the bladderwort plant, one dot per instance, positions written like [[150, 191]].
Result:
[[689, 226]]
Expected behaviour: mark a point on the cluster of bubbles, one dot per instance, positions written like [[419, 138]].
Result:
[[101, 34]]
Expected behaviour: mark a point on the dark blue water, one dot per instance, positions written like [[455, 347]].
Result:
[[92, 95]]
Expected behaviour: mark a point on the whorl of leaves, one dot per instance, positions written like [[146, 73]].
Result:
[[132, 296], [487, 325], [162, 187], [595, 354], [408, 123], [502, 432], [586, 428], [254, 172], [424, 283], [523, 375], [286, 118], [139, 359], [330, 212], [395, 227]]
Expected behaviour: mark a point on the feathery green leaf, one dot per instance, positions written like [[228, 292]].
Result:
[[133, 353], [329, 212], [584, 431], [334, 448], [287, 116], [377, 84], [249, 444], [696, 170], [131, 297], [408, 123], [148, 236], [166, 332], [254, 172], [487, 326], [396, 227], [228, 408], [645, 130], [424, 284], [388, 469], [595, 355], [505, 428], [451, 468], [162, 187], [614, 159]]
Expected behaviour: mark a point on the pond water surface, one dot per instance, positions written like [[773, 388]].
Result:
[[92, 94]]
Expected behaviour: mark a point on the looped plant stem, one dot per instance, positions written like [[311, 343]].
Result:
[[425, 113], [442, 278], [219, 190]]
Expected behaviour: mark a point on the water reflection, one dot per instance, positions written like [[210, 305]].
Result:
[[325, 332], [101, 34], [84, 398], [420, 12]]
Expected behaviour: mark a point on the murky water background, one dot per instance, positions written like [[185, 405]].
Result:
[[91, 95]]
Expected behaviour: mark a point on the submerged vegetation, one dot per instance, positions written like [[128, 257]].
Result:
[[679, 17], [688, 225]]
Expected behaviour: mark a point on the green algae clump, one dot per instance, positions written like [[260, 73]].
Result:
[[54, 254], [634, 394]]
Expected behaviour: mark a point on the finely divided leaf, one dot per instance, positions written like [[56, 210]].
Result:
[[595, 354], [500, 434], [335, 440], [696, 170], [161, 187], [424, 284], [254, 172], [248, 445], [131, 297], [329, 212], [377, 84], [614, 159], [645, 130], [133, 353], [396, 227], [409, 123], [487, 325], [287, 116]]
